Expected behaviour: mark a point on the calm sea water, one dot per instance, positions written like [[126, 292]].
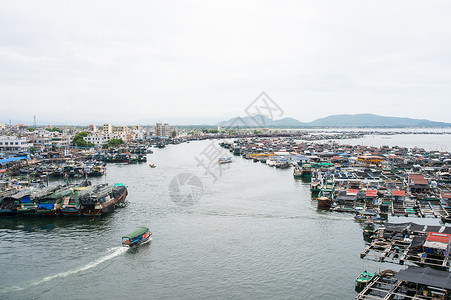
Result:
[[440, 141], [254, 233]]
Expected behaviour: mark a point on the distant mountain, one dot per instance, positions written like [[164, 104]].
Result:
[[260, 121], [358, 120], [371, 120]]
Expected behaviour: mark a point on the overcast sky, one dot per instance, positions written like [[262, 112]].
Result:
[[206, 61]]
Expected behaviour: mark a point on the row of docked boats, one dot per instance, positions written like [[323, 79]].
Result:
[[124, 158], [70, 168], [72, 200]]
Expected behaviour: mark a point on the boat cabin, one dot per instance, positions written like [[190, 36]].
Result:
[[137, 237]]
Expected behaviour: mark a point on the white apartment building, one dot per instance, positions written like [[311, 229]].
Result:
[[96, 139], [14, 144]]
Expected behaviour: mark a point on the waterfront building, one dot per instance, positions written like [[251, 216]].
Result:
[[162, 129], [13, 144]]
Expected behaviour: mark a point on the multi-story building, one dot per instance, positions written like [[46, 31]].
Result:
[[162, 129], [107, 128], [92, 128], [124, 133], [97, 139], [14, 144]]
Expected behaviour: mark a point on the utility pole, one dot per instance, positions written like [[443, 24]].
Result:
[[34, 121]]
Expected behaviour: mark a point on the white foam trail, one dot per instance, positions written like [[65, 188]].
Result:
[[112, 253]]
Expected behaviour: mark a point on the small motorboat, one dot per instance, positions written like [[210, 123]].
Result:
[[137, 237], [152, 165], [367, 215], [363, 279], [224, 160]]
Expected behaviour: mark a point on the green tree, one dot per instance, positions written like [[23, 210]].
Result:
[[32, 150], [174, 134], [54, 129], [115, 142], [79, 140]]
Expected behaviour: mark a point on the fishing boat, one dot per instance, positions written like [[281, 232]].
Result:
[[297, 172], [363, 279], [71, 205], [133, 159], [152, 165], [137, 237], [224, 160], [142, 158], [368, 229], [50, 205], [103, 199], [324, 200], [97, 171], [9, 202], [27, 205], [315, 186], [306, 170]]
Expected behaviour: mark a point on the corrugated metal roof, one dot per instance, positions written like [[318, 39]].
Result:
[[418, 179]]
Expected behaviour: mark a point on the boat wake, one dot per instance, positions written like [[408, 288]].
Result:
[[112, 253]]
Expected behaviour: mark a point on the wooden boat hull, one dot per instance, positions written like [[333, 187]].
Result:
[[104, 208], [47, 212], [71, 212], [324, 202], [26, 211]]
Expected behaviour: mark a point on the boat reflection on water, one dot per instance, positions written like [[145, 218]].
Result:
[[34, 223]]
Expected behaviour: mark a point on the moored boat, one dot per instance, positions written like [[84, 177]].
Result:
[[97, 171], [306, 170], [315, 186], [103, 199], [10, 202], [27, 205], [71, 205], [297, 172], [363, 279], [137, 237], [50, 205], [324, 202]]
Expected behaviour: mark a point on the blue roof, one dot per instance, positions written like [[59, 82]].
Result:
[[7, 160]]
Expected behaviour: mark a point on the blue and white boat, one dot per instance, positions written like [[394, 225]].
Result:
[[224, 160]]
